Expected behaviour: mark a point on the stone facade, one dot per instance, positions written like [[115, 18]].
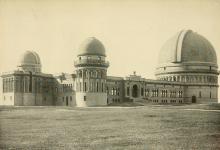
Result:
[[27, 89], [180, 79]]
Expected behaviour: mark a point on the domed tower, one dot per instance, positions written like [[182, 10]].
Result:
[[91, 71], [30, 61], [190, 59]]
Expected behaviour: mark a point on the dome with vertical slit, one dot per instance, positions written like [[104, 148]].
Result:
[[187, 46]]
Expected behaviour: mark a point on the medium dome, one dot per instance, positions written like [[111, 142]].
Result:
[[91, 46], [187, 47], [30, 58], [30, 61]]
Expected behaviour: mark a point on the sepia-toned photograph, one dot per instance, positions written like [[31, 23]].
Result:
[[109, 74]]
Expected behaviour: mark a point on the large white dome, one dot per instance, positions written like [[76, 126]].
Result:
[[187, 46], [187, 53]]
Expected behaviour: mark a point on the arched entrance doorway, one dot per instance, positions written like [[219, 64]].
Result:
[[135, 91], [193, 99]]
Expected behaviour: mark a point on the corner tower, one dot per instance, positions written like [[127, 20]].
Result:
[[91, 72]]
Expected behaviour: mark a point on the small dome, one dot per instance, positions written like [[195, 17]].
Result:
[[187, 46], [30, 58], [91, 46], [30, 61]]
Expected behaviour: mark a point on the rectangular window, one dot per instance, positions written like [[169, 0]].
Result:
[[84, 98]]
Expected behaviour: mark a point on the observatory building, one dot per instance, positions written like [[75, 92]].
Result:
[[187, 72]]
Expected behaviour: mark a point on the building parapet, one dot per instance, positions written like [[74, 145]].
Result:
[[115, 78], [19, 72]]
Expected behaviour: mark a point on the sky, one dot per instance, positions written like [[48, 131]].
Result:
[[132, 31]]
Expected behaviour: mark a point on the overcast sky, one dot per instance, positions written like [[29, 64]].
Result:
[[132, 31]]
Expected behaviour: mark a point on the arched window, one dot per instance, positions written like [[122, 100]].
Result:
[[128, 91], [115, 91], [97, 87], [187, 79], [85, 86], [204, 78], [90, 74], [102, 87], [157, 93], [200, 94], [118, 91], [209, 79], [86, 74], [112, 91], [142, 91], [99, 74], [95, 74], [178, 78], [80, 74], [135, 91]]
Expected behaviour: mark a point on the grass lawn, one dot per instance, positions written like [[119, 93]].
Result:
[[145, 127]]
